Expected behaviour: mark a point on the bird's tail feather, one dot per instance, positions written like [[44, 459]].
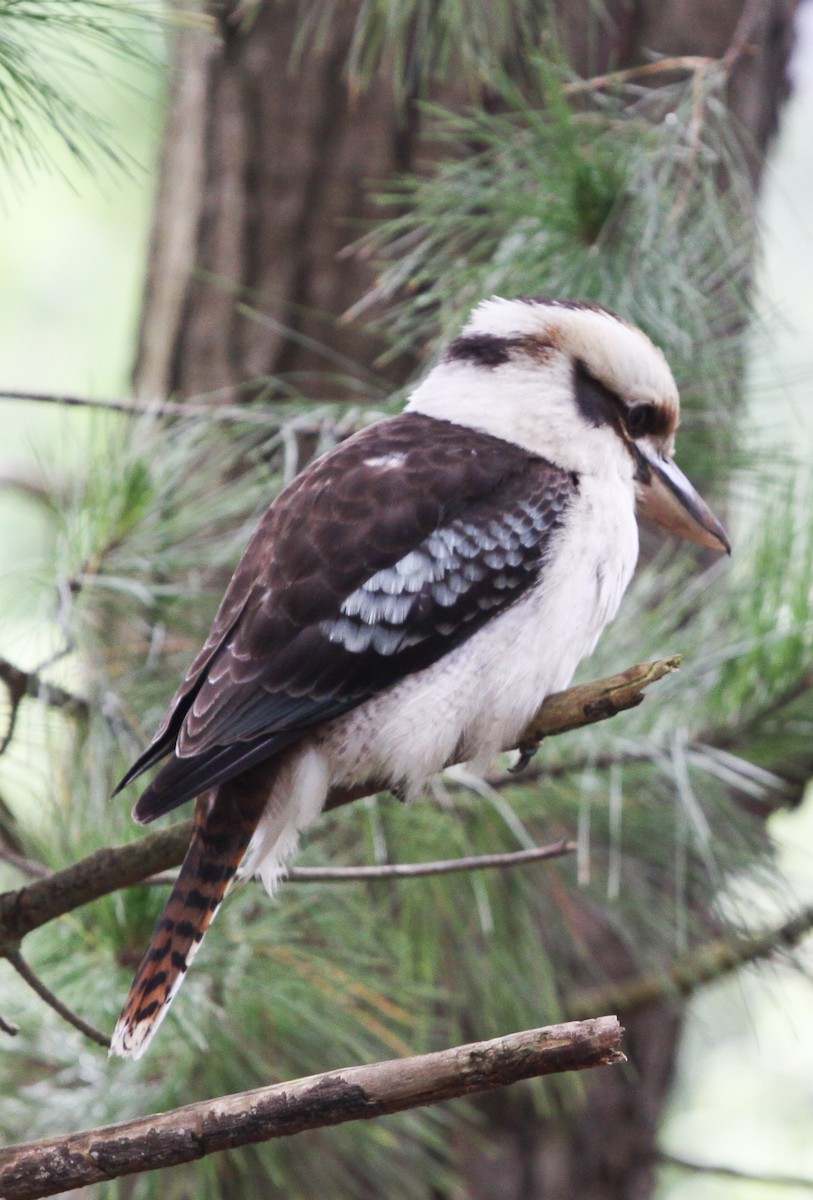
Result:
[[225, 820]]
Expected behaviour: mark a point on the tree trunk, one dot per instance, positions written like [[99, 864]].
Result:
[[262, 185]]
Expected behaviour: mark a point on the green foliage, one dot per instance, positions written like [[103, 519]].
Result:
[[615, 201], [48, 51]]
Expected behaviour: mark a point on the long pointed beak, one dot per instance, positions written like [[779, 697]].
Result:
[[664, 493]]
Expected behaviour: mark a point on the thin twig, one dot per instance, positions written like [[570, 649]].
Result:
[[22, 684], [685, 1164], [26, 866], [445, 866], [186, 1134], [535, 772], [35, 983], [164, 408], [681, 62], [7, 1027], [14, 680], [751, 11], [15, 478], [695, 138], [480, 862]]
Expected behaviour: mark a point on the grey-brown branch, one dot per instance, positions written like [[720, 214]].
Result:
[[109, 870], [53, 1165]]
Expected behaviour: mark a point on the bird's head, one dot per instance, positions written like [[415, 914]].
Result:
[[581, 387]]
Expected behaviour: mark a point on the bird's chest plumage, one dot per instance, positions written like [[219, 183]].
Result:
[[480, 696]]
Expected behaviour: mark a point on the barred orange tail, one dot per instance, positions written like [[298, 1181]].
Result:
[[225, 820]]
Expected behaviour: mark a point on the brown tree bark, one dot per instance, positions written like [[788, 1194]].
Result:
[[262, 185]]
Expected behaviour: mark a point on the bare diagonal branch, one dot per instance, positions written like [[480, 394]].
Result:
[[688, 974], [186, 1134], [35, 983]]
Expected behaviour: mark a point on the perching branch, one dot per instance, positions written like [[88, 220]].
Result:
[[584, 704], [53, 1165], [588, 703], [108, 870]]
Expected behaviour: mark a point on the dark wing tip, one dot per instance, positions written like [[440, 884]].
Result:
[[126, 779], [182, 779], [154, 753]]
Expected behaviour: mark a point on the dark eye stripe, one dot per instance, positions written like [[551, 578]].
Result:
[[599, 405], [646, 419]]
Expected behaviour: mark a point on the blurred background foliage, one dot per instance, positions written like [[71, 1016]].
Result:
[[116, 541]]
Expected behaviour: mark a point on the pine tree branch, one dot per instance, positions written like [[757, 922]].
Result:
[[113, 868], [35, 983], [186, 1134], [688, 974], [588, 703], [584, 704]]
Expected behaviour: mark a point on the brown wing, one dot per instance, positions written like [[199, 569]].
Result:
[[376, 562]]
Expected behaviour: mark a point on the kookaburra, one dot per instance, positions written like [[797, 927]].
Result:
[[412, 597]]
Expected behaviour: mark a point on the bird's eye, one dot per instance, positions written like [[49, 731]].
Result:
[[643, 419]]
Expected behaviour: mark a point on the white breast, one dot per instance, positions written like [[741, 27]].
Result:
[[480, 697]]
